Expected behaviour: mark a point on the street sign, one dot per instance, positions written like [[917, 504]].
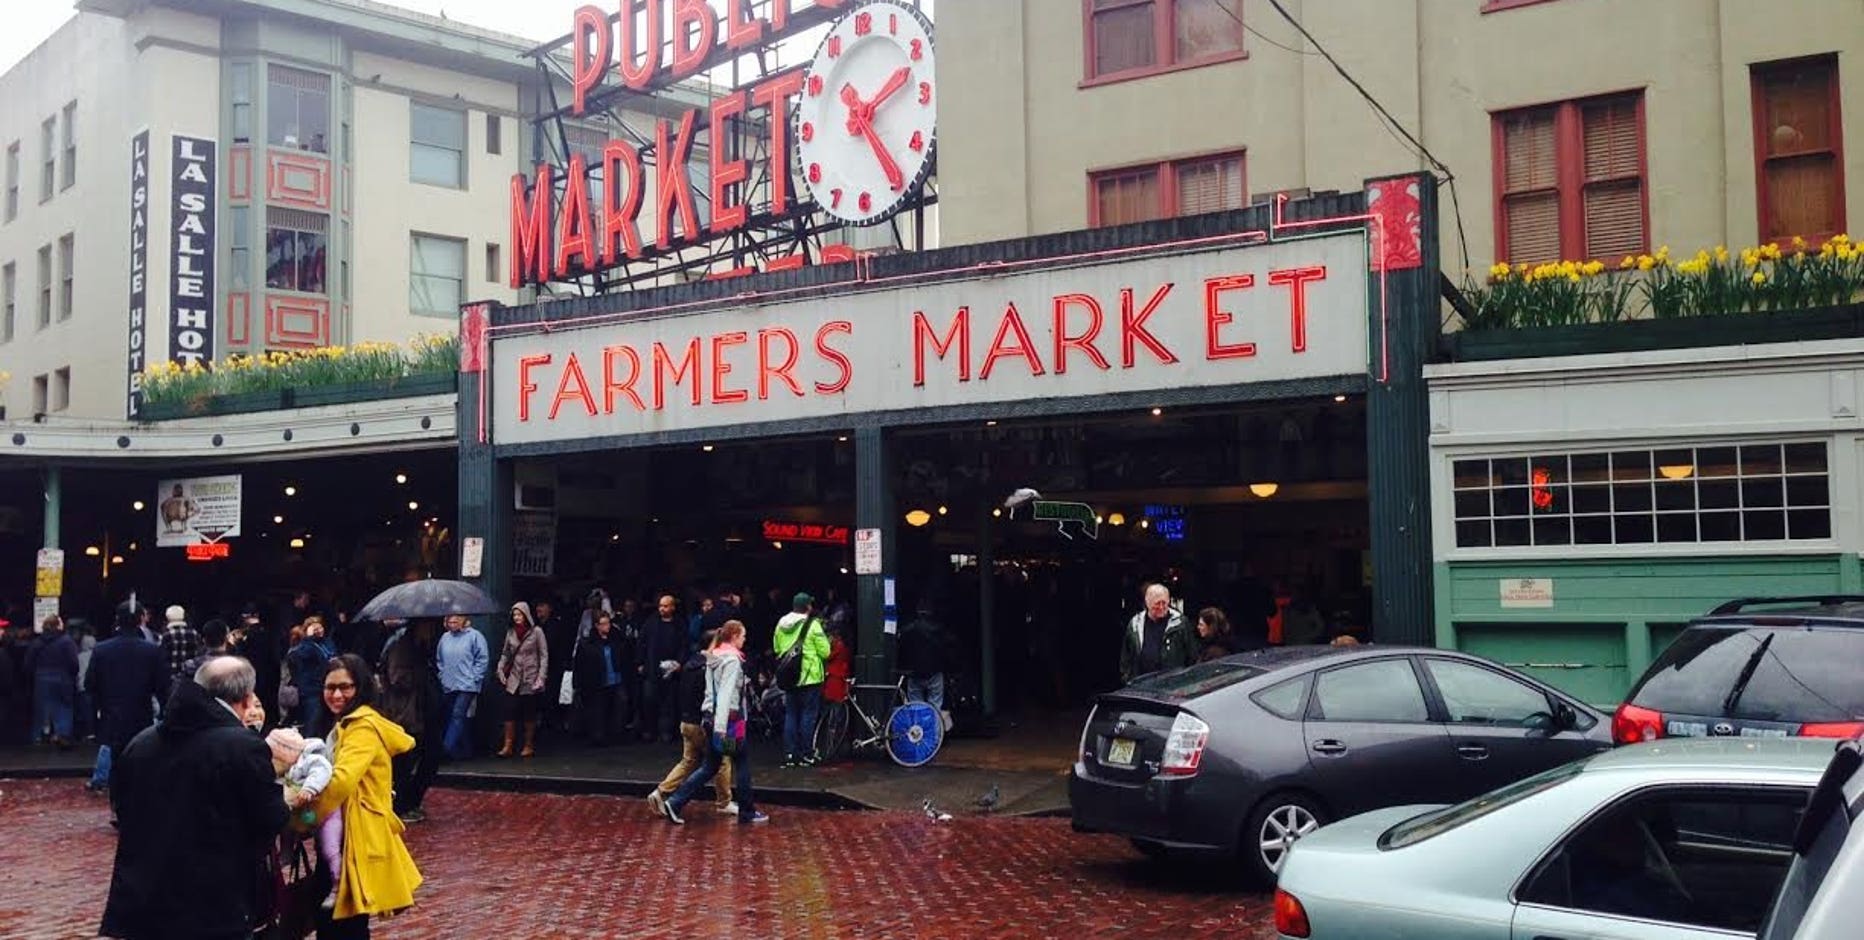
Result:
[[50, 579], [867, 551], [472, 557]]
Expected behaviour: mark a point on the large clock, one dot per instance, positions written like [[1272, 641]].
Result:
[[865, 126]]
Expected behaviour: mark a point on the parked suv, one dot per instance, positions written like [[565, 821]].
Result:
[[1756, 667]]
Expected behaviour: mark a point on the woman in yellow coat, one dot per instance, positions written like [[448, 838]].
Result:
[[378, 875]]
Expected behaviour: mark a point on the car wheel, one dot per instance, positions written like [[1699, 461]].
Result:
[[1152, 850], [1279, 821]]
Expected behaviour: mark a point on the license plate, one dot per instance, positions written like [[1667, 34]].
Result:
[[1120, 751]]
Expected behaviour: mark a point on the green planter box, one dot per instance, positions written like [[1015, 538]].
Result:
[[410, 386], [1730, 329]]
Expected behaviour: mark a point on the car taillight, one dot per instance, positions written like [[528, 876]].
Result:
[[1833, 729], [1290, 916], [1634, 725], [1184, 747], [1087, 733]]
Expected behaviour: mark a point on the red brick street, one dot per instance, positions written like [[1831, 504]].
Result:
[[533, 866]]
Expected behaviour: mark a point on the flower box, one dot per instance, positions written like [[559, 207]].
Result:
[[409, 386], [1728, 329]]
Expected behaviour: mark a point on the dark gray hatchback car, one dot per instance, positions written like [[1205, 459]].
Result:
[[1248, 753]]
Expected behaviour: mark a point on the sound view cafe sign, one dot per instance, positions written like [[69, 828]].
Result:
[[865, 144], [1213, 317]]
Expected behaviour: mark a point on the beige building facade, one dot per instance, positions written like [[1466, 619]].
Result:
[[1574, 128]]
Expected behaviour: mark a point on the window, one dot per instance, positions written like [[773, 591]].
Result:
[[1196, 680], [1436, 822], [239, 219], [1130, 38], [1702, 857], [45, 286], [1799, 149], [1805, 674], [9, 287], [12, 181], [494, 135], [437, 275], [296, 243], [297, 109], [1285, 699], [589, 142], [61, 390], [39, 385], [494, 270], [48, 152], [439, 146], [66, 246], [1384, 690], [241, 90], [1474, 695], [1569, 180], [1165, 190], [71, 147], [1734, 493]]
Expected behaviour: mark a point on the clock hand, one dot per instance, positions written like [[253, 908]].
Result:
[[895, 178], [894, 83], [857, 111]]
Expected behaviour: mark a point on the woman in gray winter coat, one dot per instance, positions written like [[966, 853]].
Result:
[[723, 711], [524, 671]]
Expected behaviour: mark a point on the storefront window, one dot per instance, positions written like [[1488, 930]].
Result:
[[1746, 493], [297, 109], [295, 247]]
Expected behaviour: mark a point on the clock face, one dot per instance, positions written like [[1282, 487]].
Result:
[[864, 128]]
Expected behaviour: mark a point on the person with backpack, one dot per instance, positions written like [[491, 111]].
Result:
[[802, 648], [694, 735], [725, 697]]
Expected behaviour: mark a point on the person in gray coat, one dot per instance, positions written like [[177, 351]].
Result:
[[1158, 637]]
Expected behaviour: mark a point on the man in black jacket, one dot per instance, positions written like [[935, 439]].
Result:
[[198, 809], [601, 664], [127, 675], [663, 641]]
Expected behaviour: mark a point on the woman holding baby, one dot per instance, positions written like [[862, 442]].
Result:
[[374, 875]]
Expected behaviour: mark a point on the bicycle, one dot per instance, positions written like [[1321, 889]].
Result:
[[911, 734]]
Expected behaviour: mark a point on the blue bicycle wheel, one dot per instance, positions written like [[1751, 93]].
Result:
[[914, 733]]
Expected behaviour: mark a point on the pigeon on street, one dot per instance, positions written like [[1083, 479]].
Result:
[[988, 801], [935, 814]]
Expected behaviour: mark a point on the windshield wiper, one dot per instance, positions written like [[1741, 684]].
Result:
[[1747, 672]]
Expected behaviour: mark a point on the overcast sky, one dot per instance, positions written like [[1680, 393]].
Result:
[[30, 22]]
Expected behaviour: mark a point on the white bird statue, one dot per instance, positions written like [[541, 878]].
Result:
[[1021, 496]]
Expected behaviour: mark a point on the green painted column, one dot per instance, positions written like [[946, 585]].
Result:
[[485, 504], [873, 509], [54, 504], [1403, 337]]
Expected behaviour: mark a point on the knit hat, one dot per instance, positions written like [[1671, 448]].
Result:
[[176, 614], [802, 601]]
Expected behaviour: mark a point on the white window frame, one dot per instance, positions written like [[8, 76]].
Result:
[[417, 297], [416, 146], [69, 175]]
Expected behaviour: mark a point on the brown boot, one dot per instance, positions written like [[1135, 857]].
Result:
[[530, 740], [511, 729]]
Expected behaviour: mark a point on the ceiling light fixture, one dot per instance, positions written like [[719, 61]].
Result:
[[116, 559], [1339, 398], [918, 517], [401, 478], [93, 551], [290, 490], [1679, 471], [278, 520], [137, 505], [297, 543], [941, 510], [412, 505], [707, 448], [1264, 490], [1118, 518], [1157, 411]]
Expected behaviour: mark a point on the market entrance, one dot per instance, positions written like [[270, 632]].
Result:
[[1251, 509]]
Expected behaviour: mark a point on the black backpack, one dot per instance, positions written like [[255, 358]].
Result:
[[790, 664]]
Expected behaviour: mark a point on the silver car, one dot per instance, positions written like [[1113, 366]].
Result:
[[1666, 841]]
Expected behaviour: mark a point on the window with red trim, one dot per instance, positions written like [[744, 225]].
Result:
[[1142, 36], [1164, 190], [1799, 149], [1569, 180]]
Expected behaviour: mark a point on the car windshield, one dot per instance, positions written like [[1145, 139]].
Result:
[[1196, 680], [1439, 821], [1803, 674]]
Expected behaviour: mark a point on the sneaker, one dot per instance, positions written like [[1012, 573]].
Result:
[[655, 800], [414, 815], [754, 819], [789, 762], [729, 809], [809, 761], [673, 815]]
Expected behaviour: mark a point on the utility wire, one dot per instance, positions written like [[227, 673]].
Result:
[[1449, 178]]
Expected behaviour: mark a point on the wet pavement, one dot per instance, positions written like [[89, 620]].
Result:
[[502, 864]]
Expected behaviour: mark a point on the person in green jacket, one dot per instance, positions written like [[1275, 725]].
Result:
[[802, 704]]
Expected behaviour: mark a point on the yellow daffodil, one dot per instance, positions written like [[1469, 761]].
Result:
[[1759, 278]]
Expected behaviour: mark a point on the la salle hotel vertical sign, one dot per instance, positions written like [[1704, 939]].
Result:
[[191, 251], [138, 271]]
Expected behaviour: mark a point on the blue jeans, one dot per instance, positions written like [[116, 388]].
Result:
[[457, 740], [53, 702], [701, 778], [799, 720], [930, 690], [100, 772]]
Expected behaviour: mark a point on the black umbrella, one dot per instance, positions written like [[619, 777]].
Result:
[[430, 598]]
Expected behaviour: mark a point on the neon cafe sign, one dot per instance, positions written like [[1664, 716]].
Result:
[[559, 238], [777, 530]]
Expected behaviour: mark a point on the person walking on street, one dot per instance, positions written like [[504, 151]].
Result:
[[378, 876], [802, 700], [694, 734], [599, 671], [197, 810], [410, 697], [724, 700], [307, 660], [53, 664], [1213, 635], [127, 675], [662, 649], [523, 670], [925, 655], [1156, 638], [180, 642], [464, 658]]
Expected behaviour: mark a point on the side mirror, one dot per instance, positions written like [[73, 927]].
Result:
[[1541, 724]]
